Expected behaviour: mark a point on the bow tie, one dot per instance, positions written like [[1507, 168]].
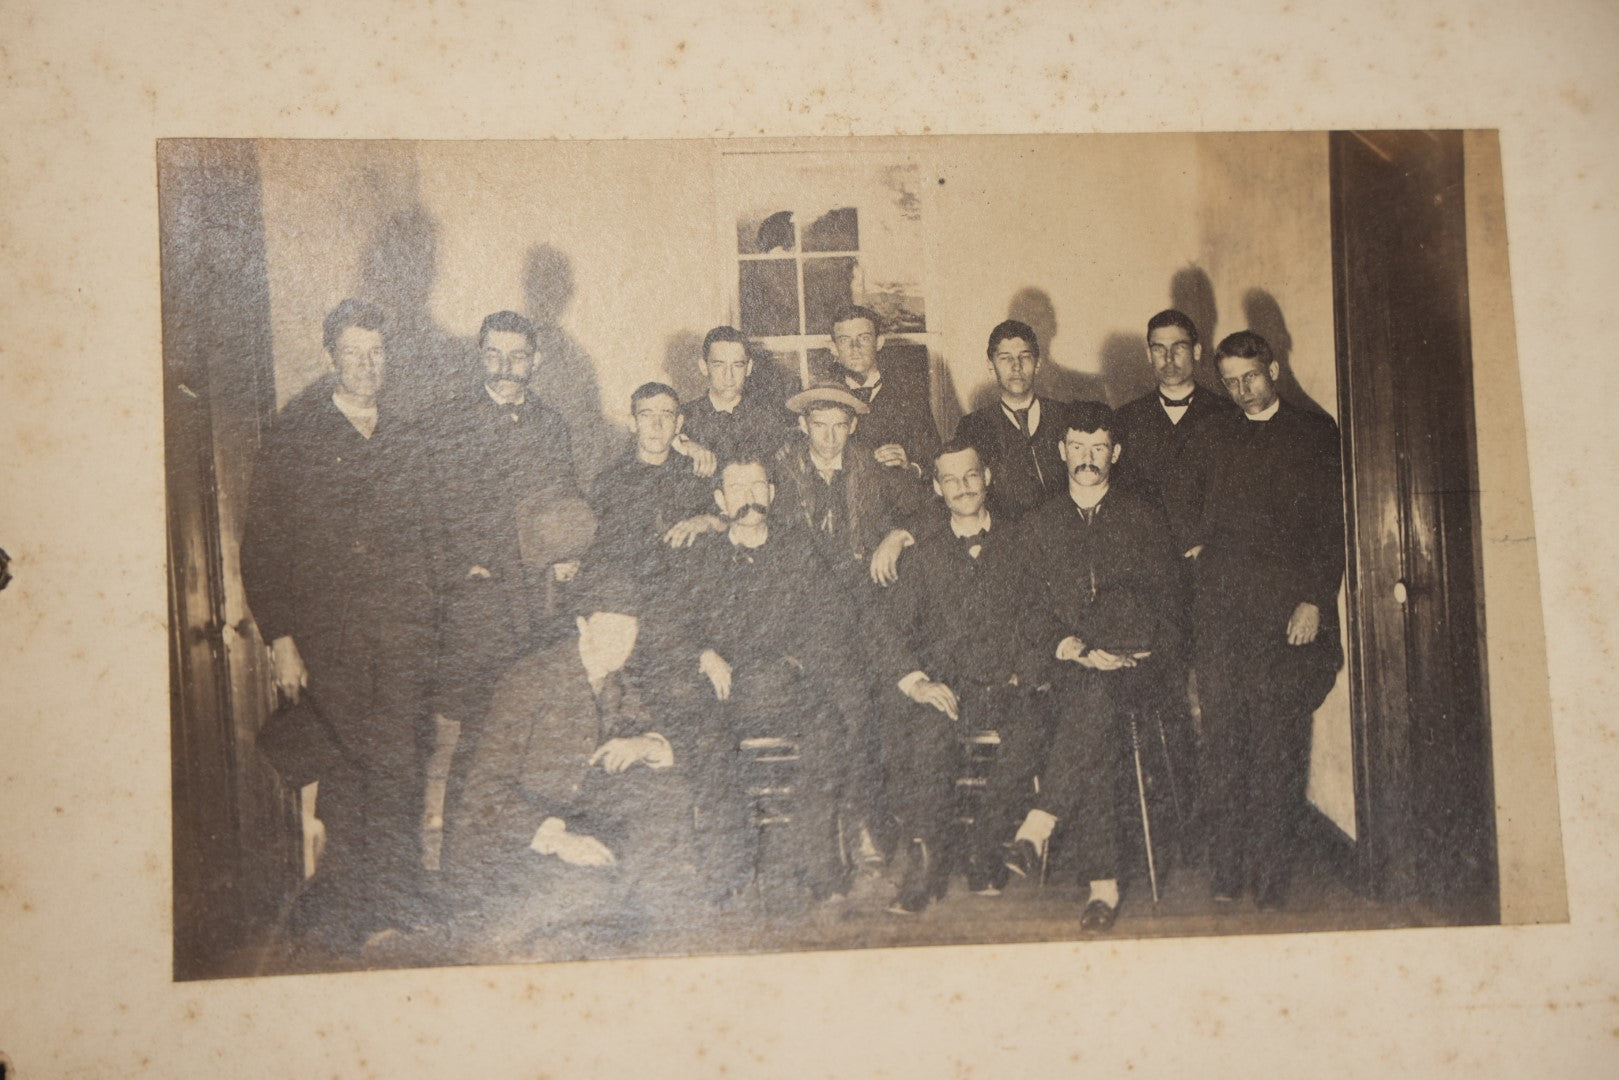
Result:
[[976, 540], [1170, 403], [864, 392]]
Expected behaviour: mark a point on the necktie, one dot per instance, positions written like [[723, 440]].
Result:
[[973, 545], [1022, 417], [1171, 403], [863, 392]]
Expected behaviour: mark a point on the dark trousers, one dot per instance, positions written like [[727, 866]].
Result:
[[1085, 756], [368, 683], [1255, 755], [923, 757]]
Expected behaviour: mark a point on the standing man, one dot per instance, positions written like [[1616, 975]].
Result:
[[1158, 427], [727, 421], [1270, 557], [1018, 436], [502, 458], [335, 563], [956, 613], [1098, 574], [898, 429], [651, 500]]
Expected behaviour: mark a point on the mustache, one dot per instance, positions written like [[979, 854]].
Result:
[[762, 508], [1084, 465]]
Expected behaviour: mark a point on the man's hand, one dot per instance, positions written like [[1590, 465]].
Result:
[[1102, 660], [1193, 552], [713, 665], [617, 755], [885, 560], [575, 849], [565, 571], [480, 572], [937, 694], [1070, 648], [685, 533], [703, 461], [287, 668], [1304, 625], [891, 454]]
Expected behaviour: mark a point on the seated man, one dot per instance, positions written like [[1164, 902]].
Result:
[[651, 500], [732, 421], [1099, 568], [573, 778], [773, 637], [955, 609]]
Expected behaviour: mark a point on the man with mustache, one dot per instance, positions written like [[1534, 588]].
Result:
[[956, 614], [1098, 572], [773, 649], [1018, 435], [500, 457], [1269, 550]]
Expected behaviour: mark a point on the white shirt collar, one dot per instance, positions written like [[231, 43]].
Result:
[[1267, 414], [1034, 413], [363, 417], [981, 525], [1101, 492], [520, 397]]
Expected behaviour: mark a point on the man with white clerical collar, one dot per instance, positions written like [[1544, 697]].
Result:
[[1269, 551]]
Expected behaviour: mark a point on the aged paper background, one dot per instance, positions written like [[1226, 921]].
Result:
[[84, 770]]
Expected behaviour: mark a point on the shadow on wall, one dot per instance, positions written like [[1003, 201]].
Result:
[[681, 351], [1192, 293], [1126, 374], [427, 364], [1264, 316], [1033, 306], [565, 376]]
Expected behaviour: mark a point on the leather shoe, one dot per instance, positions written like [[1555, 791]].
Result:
[[1022, 858], [927, 878], [1270, 894], [1097, 918], [986, 874]]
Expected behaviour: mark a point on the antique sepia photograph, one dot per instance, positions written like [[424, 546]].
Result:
[[583, 549]]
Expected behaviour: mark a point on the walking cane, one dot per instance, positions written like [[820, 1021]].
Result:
[[1146, 818]]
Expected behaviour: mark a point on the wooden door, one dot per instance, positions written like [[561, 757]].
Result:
[[1424, 802]]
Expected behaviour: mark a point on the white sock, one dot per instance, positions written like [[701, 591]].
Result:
[[1036, 828], [1106, 891]]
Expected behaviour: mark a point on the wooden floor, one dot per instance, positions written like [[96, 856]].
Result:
[[1025, 912]]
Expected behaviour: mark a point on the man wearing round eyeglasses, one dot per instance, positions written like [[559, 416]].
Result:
[[1269, 550]]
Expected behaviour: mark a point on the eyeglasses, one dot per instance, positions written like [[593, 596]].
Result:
[[351, 355], [516, 356], [844, 341], [1181, 350], [1246, 384]]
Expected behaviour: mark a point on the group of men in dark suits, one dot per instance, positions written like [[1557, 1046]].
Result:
[[822, 574]]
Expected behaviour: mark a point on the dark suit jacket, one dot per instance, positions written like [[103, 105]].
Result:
[[755, 429], [1025, 470], [336, 529], [1156, 461], [901, 413], [1108, 583], [876, 499], [1273, 521], [959, 618]]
